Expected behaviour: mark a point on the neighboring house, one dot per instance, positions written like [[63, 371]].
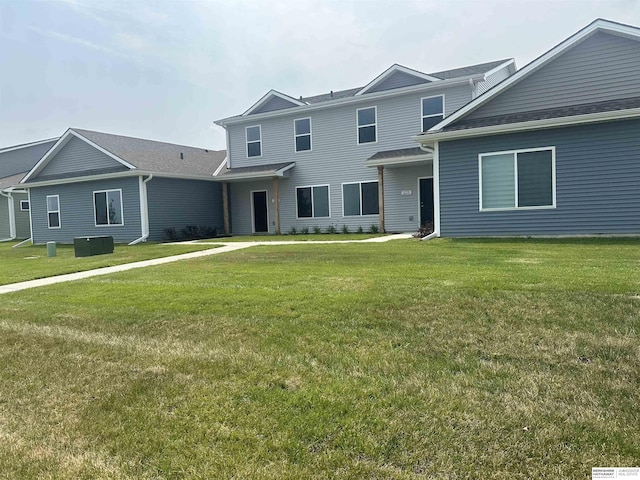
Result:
[[15, 162], [345, 158], [552, 150], [91, 183]]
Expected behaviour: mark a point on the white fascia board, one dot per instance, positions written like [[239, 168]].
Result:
[[224, 163], [230, 177], [531, 125], [128, 173], [389, 162], [542, 60], [26, 145], [392, 69], [370, 97], [62, 141], [266, 97], [509, 62]]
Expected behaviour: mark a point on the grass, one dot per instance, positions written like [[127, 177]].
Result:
[[298, 237], [502, 359], [30, 262]]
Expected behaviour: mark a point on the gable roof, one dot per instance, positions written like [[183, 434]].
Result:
[[392, 70], [11, 181], [140, 154], [271, 94], [597, 25], [21, 158]]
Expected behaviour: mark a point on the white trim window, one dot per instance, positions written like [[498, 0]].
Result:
[[302, 134], [24, 205], [432, 111], [312, 202], [107, 208], [518, 179], [53, 211], [360, 198], [254, 141], [367, 121]]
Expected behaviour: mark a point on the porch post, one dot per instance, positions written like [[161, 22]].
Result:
[[225, 207], [381, 196], [276, 204]]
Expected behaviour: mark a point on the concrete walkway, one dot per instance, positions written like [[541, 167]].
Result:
[[227, 247]]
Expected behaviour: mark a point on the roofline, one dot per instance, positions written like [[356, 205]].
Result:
[[62, 141], [530, 125], [26, 145], [247, 176], [126, 173], [500, 67], [345, 101], [267, 96], [598, 24], [388, 162], [396, 68], [223, 164]]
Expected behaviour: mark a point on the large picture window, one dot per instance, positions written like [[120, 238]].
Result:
[[367, 125], [254, 141], [302, 134], [53, 211], [432, 111], [108, 207], [360, 198], [518, 179], [313, 201]]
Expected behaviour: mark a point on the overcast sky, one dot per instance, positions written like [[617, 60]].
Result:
[[166, 69]]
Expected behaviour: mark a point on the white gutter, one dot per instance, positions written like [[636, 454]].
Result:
[[12, 217], [144, 209]]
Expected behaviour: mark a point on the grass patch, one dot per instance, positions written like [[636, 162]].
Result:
[[503, 359], [297, 237], [30, 262]]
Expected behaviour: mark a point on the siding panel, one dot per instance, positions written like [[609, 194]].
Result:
[[23, 227], [5, 231], [397, 80], [275, 103]]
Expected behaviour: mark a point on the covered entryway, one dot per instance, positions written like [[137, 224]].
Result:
[[260, 211], [426, 200]]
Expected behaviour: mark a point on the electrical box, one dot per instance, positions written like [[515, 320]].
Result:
[[88, 246]]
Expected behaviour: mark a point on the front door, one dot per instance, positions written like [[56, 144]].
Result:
[[426, 200], [260, 215]]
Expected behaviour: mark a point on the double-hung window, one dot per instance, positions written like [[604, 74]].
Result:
[[360, 198], [302, 134], [107, 206], [254, 141], [518, 179], [53, 211], [432, 111], [367, 125], [313, 201]]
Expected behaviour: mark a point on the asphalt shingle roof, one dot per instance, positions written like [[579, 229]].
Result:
[[11, 180], [402, 152], [255, 170]]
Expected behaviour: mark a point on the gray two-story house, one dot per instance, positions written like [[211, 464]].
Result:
[[552, 150], [343, 158]]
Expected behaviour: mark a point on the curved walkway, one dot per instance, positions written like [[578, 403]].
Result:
[[227, 247]]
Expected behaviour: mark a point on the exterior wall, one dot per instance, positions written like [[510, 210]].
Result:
[[78, 156], [240, 205], [336, 157], [602, 67], [23, 227], [178, 203], [402, 211], [397, 80], [23, 159], [597, 178], [5, 230], [275, 103], [77, 216], [494, 79]]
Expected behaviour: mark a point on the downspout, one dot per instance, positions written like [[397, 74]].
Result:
[[144, 210], [12, 217]]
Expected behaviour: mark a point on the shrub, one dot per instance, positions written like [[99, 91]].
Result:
[[360, 230], [345, 229], [374, 228], [292, 231], [190, 232], [171, 234], [424, 230], [304, 230], [331, 229], [317, 230]]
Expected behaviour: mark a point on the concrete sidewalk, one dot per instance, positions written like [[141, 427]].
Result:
[[227, 247]]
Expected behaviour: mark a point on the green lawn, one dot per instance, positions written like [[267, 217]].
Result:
[[501, 359], [30, 261], [298, 238]]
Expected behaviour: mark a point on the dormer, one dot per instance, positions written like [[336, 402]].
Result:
[[272, 101], [396, 76]]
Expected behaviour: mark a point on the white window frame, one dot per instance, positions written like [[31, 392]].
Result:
[[423, 116], [54, 211], [296, 135], [375, 124], [515, 153], [246, 137], [313, 208], [106, 192], [23, 202], [360, 188]]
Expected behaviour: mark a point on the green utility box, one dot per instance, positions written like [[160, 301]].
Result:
[[87, 246]]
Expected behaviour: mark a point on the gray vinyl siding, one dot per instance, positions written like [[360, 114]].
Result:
[[240, 195], [22, 160], [5, 230], [175, 203], [402, 212], [397, 80], [597, 178], [336, 158], [493, 79], [23, 227], [77, 216], [602, 67], [78, 156], [275, 103]]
